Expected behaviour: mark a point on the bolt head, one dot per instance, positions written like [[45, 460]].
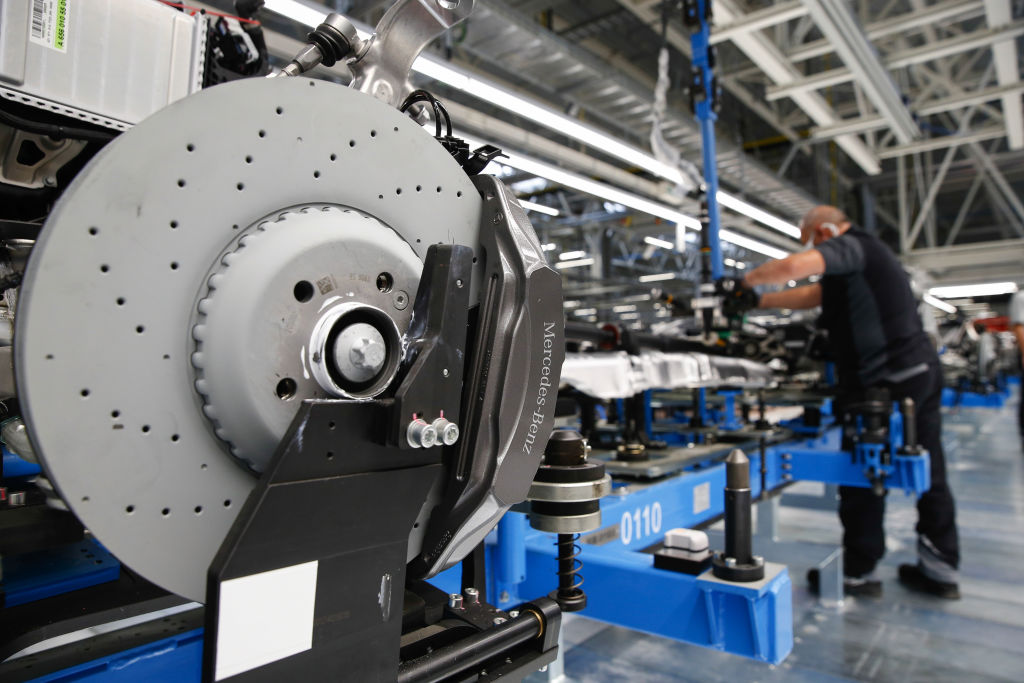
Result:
[[450, 434]]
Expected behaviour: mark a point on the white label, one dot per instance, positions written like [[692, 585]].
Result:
[[701, 497], [48, 24], [265, 617]]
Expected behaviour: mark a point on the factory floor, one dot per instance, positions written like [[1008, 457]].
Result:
[[902, 637]]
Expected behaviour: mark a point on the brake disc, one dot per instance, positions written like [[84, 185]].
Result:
[[181, 300]]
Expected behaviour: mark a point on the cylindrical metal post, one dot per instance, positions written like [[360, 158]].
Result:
[[738, 562]]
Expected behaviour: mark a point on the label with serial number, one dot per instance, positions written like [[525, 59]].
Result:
[[48, 24]]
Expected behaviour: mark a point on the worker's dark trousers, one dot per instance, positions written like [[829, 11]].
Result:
[[862, 512]]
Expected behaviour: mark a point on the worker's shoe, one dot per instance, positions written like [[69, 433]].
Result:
[[914, 578], [859, 587]]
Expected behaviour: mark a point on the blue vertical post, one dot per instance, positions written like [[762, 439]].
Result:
[[648, 415], [704, 110]]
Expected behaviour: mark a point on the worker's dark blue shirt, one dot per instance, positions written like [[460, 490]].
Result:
[[870, 313]]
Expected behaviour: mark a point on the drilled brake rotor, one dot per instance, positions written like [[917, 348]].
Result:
[[180, 280]]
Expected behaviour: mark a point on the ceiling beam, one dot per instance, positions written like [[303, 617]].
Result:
[[779, 13], [909, 21], [1007, 61], [942, 142], [838, 26], [866, 123], [901, 58]]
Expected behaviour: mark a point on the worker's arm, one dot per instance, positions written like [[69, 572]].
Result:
[[794, 267], [796, 298]]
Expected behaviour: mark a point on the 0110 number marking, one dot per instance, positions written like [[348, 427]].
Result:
[[640, 522]]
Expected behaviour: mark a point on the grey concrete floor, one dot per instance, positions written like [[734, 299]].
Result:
[[902, 637]]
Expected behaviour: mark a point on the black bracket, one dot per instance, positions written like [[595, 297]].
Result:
[[432, 384]]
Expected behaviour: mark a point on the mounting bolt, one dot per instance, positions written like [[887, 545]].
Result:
[[421, 435], [447, 432], [472, 595], [455, 600], [498, 621], [513, 614]]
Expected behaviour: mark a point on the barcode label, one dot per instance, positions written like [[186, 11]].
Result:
[[38, 8], [49, 24]]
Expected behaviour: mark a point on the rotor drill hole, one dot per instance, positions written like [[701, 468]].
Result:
[[129, 510], [120, 301], [190, 147], [181, 182], [145, 429], [114, 414], [227, 503], [330, 455], [166, 512], [286, 388], [385, 282], [174, 265], [240, 186], [334, 157], [84, 393], [174, 225], [438, 188], [373, 133], [94, 231], [248, 159], [419, 188], [279, 110], [262, 133], [198, 509], [351, 143], [303, 291], [139, 329], [104, 268], [175, 438], [316, 174]]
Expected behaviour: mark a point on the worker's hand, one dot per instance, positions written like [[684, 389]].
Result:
[[737, 297]]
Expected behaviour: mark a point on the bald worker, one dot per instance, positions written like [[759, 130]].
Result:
[[877, 337]]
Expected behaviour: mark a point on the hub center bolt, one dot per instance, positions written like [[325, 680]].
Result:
[[360, 352]]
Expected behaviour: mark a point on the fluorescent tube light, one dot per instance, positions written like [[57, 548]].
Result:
[[623, 309], [575, 264], [980, 289], [664, 244], [550, 246], [540, 208], [584, 311], [658, 277], [939, 303], [751, 211], [570, 255]]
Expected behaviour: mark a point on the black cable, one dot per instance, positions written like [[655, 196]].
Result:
[[439, 110], [55, 131]]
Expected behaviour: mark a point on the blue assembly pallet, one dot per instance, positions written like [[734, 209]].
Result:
[[170, 660], [951, 398], [42, 574]]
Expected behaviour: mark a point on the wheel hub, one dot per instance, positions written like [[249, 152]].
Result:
[[306, 283]]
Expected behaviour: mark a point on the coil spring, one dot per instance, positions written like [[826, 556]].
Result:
[[569, 565]]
